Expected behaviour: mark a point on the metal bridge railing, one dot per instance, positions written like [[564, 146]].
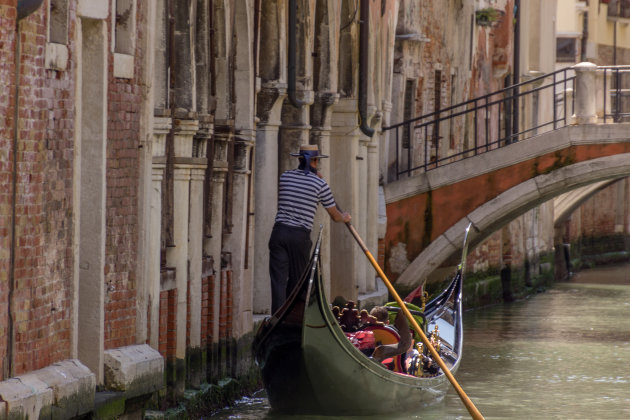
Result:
[[617, 107], [495, 120]]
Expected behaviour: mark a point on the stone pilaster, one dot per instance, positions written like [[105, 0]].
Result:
[[177, 256], [195, 271], [161, 127], [387, 143], [195, 250], [213, 242], [270, 101], [372, 201], [344, 182], [238, 241], [198, 168], [371, 216], [157, 174], [359, 219], [321, 114]]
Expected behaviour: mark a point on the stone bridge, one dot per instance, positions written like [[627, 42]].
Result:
[[427, 213]]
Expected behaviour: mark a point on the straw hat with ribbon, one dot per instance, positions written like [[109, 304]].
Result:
[[308, 152]]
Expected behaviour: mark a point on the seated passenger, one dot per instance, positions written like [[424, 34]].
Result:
[[385, 351], [380, 313]]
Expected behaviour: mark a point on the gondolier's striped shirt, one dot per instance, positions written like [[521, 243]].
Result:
[[298, 196]]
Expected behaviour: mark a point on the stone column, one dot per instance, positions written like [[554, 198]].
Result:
[[386, 145], [198, 167], [177, 256], [360, 218], [344, 181], [213, 244], [237, 242], [371, 235], [265, 190], [157, 175], [195, 250], [195, 360], [161, 128], [585, 94], [321, 114]]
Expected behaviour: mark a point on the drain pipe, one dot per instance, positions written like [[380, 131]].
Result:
[[516, 74], [364, 34], [24, 8], [292, 52]]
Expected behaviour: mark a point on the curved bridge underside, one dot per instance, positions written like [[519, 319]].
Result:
[[427, 213]]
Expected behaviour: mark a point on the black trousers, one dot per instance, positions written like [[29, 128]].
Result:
[[289, 252]]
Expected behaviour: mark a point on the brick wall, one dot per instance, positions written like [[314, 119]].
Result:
[[58, 110], [225, 314], [7, 80], [125, 98], [44, 261], [487, 255], [43, 255], [168, 324], [212, 313], [598, 215], [207, 296], [121, 202]]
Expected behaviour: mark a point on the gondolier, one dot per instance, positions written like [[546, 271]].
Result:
[[299, 193]]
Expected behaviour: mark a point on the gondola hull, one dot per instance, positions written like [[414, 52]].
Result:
[[349, 383], [309, 366]]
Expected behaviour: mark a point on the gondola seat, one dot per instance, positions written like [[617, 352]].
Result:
[[386, 335], [383, 334]]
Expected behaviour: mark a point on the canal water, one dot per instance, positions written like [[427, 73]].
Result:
[[560, 354]]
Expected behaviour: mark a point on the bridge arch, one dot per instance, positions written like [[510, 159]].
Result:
[[567, 203], [513, 202]]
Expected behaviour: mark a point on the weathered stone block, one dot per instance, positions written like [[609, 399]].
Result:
[[134, 370], [24, 397], [59, 391], [73, 386]]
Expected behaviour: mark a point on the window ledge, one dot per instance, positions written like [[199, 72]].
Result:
[[56, 56], [123, 66]]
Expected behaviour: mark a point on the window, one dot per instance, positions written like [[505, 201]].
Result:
[[124, 38], [56, 57], [58, 22], [125, 27], [408, 112], [566, 50], [619, 9]]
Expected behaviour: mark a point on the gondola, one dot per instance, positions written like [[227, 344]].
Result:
[[309, 366]]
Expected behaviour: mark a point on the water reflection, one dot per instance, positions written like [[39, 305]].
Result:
[[247, 408], [562, 354]]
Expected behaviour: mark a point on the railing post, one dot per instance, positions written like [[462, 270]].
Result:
[[568, 104], [602, 80], [585, 94]]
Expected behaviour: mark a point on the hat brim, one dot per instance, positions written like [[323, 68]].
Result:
[[317, 157]]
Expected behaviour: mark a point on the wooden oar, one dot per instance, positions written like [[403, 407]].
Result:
[[474, 413]]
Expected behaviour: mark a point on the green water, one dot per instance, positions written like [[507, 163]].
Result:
[[561, 354]]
